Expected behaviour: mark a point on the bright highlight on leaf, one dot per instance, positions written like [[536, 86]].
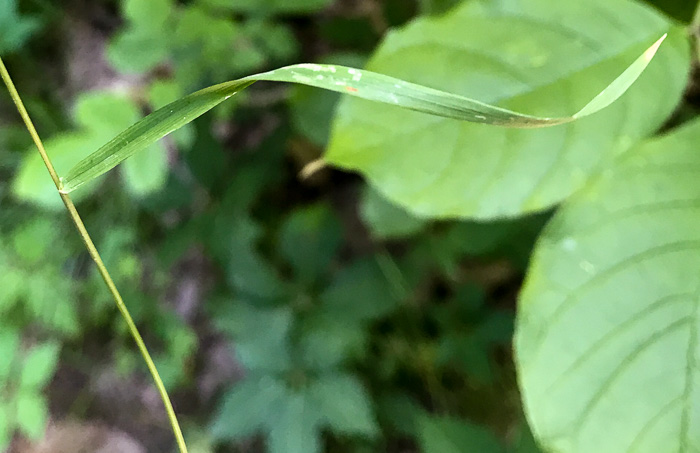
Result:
[[363, 84]]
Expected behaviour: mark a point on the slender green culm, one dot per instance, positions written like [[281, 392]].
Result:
[[92, 250]]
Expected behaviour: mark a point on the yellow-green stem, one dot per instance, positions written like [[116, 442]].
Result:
[[92, 250]]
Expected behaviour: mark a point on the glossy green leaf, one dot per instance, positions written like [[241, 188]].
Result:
[[539, 56], [364, 84], [607, 326]]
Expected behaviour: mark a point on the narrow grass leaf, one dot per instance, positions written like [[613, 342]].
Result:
[[363, 84]]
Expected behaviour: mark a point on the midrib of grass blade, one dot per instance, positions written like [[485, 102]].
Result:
[[360, 83]]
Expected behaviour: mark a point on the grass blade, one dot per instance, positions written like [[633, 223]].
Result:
[[356, 82]]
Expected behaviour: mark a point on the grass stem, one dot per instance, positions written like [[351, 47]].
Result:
[[94, 254]]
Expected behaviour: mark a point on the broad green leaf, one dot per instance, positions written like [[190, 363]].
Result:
[[38, 366], [364, 84], [544, 57], [31, 414], [607, 327], [343, 405], [450, 435]]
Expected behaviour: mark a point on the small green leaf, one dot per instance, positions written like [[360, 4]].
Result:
[[32, 240], [12, 282], [327, 341], [294, 427], [359, 291], [147, 172], [105, 114], [152, 14], [363, 84], [14, 29], [137, 51], [38, 367], [31, 414], [263, 353], [344, 405], [248, 407], [235, 242], [32, 182], [309, 240], [9, 345]]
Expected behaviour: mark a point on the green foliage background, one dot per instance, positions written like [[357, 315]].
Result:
[[342, 313]]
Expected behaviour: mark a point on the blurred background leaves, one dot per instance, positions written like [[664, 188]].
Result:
[[286, 314]]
